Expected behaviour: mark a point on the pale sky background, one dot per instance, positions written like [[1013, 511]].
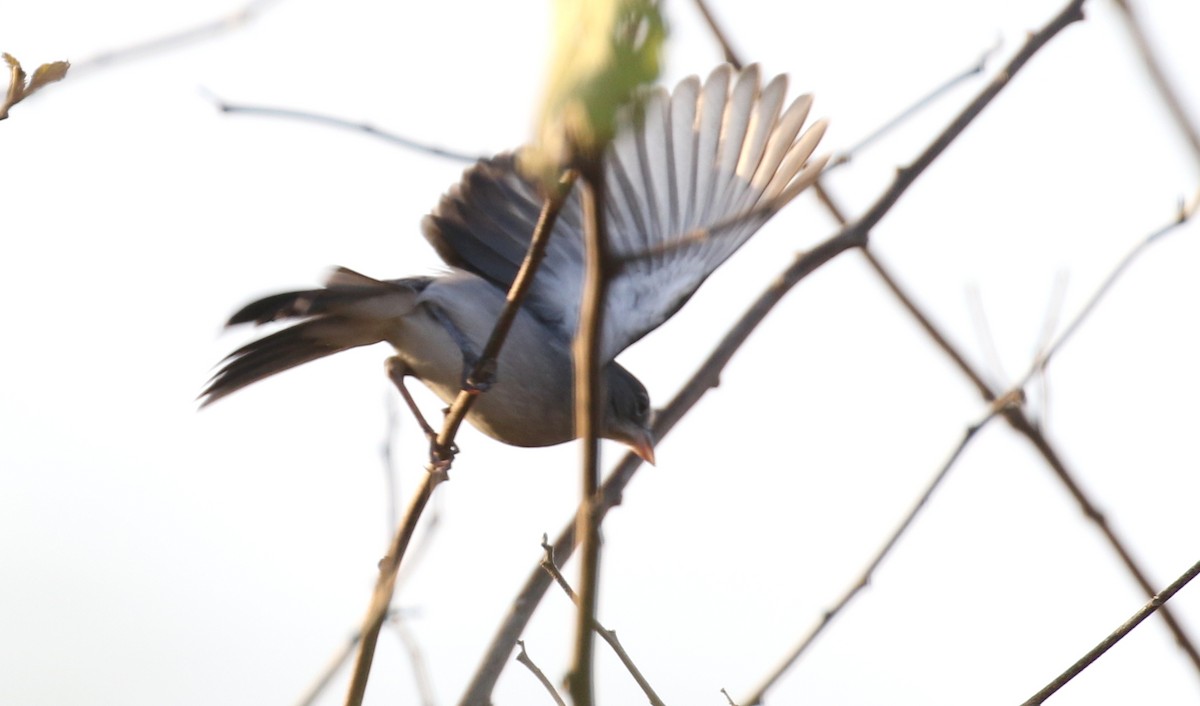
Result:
[[156, 555]]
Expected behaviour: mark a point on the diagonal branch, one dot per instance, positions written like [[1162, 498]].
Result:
[[524, 658], [485, 367], [333, 121], [1186, 211], [205, 30], [441, 455], [1020, 421], [853, 235], [920, 104], [1170, 97], [864, 579], [727, 50], [609, 636], [1157, 602]]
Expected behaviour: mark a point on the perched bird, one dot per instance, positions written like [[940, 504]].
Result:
[[689, 177]]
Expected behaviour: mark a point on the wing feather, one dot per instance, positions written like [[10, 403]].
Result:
[[689, 177]]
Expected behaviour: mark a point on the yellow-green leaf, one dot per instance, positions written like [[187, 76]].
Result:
[[604, 51]]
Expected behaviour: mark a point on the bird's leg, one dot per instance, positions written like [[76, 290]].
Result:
[[476, 378], [397, 370]]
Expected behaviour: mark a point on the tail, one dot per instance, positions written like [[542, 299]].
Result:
[[351, 310]]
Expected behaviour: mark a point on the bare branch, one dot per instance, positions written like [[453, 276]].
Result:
[[588, 413], [864, 579], [341, 123], [609, 636], [1186, 211], [1020, 421], [1170, 97], [484, 369], [853, 235], [920, 104], [331, 669], [416, 658], [1156, 603], [385, 586], [176, 40], [523, 658], [726, 48]]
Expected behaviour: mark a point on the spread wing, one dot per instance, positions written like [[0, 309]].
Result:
[[688, 180]]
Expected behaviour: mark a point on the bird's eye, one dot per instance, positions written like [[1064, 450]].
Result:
[[643, 404]]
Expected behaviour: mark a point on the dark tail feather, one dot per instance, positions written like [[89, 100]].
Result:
[[340, 317]]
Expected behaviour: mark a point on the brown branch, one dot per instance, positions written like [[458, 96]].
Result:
[[523, 658], [175, 40], [864, 579], [1170, 97], [609, 636], [331, 669], [1158, 602], [1186, 211], [485, 367], [385, 586], [1072, 13], [1020, 421], [917, 106], [441, 455], [718, 34], [706, 377], [416, 658], [589, 409], [341, 123], [853, 235]]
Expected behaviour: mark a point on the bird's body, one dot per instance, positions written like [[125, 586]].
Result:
[[517, 361], [688, 181]]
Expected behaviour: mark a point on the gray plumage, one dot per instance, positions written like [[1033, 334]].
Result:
[[690, 177]]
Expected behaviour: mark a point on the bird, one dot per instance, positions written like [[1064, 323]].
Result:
[[689, 176]]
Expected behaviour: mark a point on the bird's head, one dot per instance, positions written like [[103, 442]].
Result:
[[627, 413]]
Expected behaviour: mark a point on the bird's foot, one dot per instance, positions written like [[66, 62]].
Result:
[[478, 376]]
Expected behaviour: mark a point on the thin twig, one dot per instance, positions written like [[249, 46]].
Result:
[[331, 669], [1170, 97], [864, 578], [983, 334], [1156, 603], [391, 477], [478, 692], [442, 457], [334, 121], [1186, 211], [920, 104], [718, 34], [589, 409], [523, 658], [609, 636], [853, 235], [1020, 421], [175, 40], [385, 586], [416, 658], [728, 697], [485, 367]]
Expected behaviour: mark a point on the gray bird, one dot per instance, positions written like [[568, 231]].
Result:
[[688, 180]]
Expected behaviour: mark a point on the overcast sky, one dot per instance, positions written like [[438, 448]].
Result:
[[154, 554]]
